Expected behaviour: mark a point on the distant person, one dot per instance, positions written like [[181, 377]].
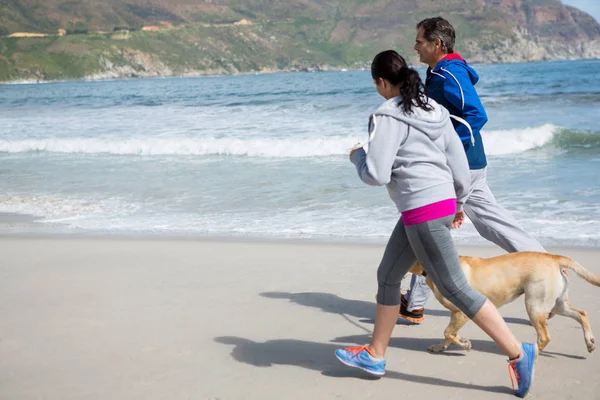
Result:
[[451, 83], [415, 152]]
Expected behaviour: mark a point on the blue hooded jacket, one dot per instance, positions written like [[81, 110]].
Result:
[[452, 84]]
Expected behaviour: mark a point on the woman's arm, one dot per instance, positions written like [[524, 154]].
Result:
[[375, 166]]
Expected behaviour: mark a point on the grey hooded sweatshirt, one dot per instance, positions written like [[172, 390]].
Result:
[[418, 156]]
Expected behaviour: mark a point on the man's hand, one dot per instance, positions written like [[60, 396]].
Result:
[[459, 218]]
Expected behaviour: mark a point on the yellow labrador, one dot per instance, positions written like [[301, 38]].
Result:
[[503, 279]]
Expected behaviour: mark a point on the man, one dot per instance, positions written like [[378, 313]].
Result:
[[451, 82]]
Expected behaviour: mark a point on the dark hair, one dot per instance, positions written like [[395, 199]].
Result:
[[392, 67], [439, 28]]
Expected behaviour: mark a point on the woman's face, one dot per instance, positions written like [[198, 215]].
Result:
[[385, 88]]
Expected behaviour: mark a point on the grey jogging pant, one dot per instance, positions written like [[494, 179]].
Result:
[[492, 222], [431, 243]]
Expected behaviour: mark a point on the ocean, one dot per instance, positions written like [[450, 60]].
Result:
[[266, 156]]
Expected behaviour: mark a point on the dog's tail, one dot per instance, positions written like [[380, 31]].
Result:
[[566, 262]]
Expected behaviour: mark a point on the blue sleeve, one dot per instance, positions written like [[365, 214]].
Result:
[[460, 92]]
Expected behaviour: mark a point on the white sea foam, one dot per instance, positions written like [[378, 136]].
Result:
[[496, 143], [257, 147], [514, 141], [51, 206], [291, 223]]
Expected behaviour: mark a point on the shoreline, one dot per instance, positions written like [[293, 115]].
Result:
[[211, 74], [15, 226], [255, 240], [108, 77]]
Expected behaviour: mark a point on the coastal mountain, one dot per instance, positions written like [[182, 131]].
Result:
[[59, 39]]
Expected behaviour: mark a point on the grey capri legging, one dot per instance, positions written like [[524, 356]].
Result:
[[431, 244]]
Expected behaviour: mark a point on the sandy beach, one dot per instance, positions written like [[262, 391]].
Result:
[[115, 318]]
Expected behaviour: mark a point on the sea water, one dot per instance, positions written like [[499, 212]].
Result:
[[267, 155]]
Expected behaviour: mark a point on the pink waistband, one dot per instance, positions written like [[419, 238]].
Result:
[[429, 212]]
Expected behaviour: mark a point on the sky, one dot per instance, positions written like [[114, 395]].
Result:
[[591, 7]]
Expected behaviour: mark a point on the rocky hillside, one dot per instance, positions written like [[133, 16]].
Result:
[[128, 38]]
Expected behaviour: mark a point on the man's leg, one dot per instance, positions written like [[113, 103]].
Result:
[[492, 221], [414, 300]]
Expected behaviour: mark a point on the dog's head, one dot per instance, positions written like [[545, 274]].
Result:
[[417, 269]]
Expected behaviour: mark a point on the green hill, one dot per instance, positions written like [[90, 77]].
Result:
[[205, 37]]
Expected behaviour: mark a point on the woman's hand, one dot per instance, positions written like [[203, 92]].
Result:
[[355, 147], [459, 218]]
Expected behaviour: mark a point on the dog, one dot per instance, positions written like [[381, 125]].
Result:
[[503, 279]]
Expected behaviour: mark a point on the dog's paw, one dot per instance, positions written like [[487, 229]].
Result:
[[437, 348], [591, 344], [465, 343]]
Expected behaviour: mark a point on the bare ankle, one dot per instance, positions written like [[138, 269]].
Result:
[[515, 352], [377, 351]]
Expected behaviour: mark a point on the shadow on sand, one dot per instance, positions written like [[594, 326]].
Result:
[[320, 357], [334, 304]]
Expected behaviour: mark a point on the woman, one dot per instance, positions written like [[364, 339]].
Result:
[[414, 151]]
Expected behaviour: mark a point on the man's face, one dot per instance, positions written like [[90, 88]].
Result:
[[427, 50]]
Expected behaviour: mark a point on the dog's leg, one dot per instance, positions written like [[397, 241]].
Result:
[[541, 298], [565, 308], [457, 321], [452, 331], [538, 320], [564, 294]]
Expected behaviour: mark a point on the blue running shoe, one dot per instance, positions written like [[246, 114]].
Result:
[[522, 369], [361, 358]]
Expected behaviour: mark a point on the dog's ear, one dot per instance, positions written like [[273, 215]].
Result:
[[417, 269]]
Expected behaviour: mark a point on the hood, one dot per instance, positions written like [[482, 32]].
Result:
[[454, 60], [431, 123]]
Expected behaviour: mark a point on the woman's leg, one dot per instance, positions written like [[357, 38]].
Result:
[[491, 322], [397, 260], [435, 249]]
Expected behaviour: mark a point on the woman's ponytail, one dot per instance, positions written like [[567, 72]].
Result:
[[392, 67]]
